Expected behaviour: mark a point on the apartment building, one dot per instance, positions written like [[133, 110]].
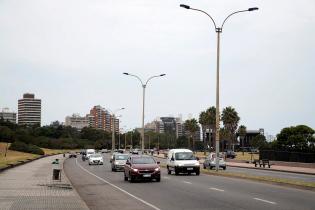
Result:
[[7, 115], [29, 110]]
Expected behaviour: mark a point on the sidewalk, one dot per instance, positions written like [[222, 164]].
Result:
[[30, 186]]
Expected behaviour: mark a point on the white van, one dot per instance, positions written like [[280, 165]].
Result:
[[182, 161], [89, 152]]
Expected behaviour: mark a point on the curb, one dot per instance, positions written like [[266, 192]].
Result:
[[23, 162]]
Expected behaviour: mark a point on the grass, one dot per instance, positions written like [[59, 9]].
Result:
[[13, 157], [246, 156], [274, 180]]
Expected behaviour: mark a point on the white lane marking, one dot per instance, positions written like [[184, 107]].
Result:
[[122, 190], [217, 189], [165, 177], [265, 201], [187, 182]]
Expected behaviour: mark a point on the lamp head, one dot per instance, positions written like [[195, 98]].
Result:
[[161, 75], [185, 6], [252, 9], [126, 73]]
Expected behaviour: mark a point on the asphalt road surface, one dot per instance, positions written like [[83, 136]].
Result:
[[102, 189], [267, 173]]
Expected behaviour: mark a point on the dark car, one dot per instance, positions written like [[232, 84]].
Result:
[[230, 154], [72, 155], [142, 167]]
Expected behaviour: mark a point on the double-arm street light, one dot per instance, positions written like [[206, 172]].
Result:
[[113, 126], [218, 30], [144, 85]]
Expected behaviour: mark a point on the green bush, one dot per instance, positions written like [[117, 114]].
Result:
[[29, 148]]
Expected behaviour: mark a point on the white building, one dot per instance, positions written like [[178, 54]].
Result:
[[76, 121], [29, 110], [7, 115]]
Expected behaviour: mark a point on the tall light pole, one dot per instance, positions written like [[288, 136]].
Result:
[[144, 85], [218, 30], [113, 127]]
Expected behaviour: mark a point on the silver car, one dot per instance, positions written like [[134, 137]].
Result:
[[118, 161], [210, 161]]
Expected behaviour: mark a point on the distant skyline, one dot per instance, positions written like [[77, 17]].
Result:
[[72, 53]]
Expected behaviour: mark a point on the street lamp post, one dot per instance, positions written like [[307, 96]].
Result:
[[113, 127], [144, 85], [218, 30]]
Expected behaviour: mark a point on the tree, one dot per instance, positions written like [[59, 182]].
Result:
[[242, 133], [230, 120], [191, 126], [207, 121], [299, 137], [259, 141]]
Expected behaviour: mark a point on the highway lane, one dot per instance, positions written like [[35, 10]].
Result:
[[179, 192], [267, 173]]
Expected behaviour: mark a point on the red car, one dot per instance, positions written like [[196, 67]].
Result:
[[142, 167]]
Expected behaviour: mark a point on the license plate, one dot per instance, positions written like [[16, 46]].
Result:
[[146, 175], [190, 169]]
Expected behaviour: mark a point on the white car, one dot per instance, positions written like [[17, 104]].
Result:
[[182, 161], [90, 152], [96, 159], [210, 161]]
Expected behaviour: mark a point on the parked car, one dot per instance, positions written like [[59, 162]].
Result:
[[104, 151], [72, 155], [230, 154], [119, 161], [142, 167], [135, 151], [210, 161], [96, 159], [182, 161]]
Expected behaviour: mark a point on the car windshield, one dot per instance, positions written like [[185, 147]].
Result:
[[184, 156], [96, 156], [121, 157], [90, 153], [143, 160]]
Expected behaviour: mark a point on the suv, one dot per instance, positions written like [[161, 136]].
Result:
[[182, 161], [139, 167]]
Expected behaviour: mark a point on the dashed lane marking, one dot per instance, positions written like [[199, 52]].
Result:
[[122, 190], [266, 201], [187, 182], [217, 189]]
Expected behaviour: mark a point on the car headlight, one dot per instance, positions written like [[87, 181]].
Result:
[[135, 170], [116, 162], [197, 164], [157, 169], [180, 164]]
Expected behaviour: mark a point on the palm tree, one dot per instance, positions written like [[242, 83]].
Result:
[[230, 120], [191, 126], [207, 121], [242, 133]]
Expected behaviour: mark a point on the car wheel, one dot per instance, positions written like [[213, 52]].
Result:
[[158, 179], [168, 171], [132, 178], [210, 167], [113, 169], [176, 171], [126, 178], [89, 163], [224, 168], [198, 172], [204, 166]]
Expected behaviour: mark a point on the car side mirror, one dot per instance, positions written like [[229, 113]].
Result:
[[158, 162], [172, 159], [197, 158], [110, 161]]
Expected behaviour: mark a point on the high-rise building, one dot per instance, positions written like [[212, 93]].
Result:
[[100, 118], [76, 121], [7, 115], [29, 110]]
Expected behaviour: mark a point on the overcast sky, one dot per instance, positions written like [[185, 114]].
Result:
[[71, 54]]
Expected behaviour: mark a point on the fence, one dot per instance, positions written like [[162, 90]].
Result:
[[287, 156]]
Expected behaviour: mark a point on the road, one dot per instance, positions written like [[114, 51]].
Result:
[[267, 173], [102, 189]]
